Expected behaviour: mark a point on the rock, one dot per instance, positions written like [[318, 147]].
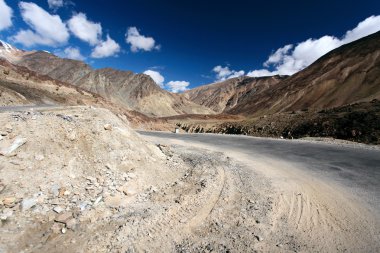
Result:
[[9, 201], [1, 137], [259, 238], [91, 179], [114, 201], [280, 245], [26, 204], [72, 136], [61, 192], [129, 191], [8, 128], [63, 218], [71, 224], [3, 133], [55, 190], [56, 228], [18, 142], [82, 206], [64, 230], [108, 127], [6, 214], [58, 209], [39, 157], [98, 200]]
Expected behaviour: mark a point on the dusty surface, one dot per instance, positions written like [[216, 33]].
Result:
[[315, 205], [80, 180], [83, 163]]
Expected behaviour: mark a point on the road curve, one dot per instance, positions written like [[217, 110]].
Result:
[[325, 192], [356, 168]]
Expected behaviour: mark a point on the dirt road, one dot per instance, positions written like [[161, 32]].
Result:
[[322, 197], [78, 179]]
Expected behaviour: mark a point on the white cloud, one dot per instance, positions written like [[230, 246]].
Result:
[[278, 55], [224, 73], [156, 76], [55, 4], [177, 86], [73, 53], [106, 48], [6, 14], [173, 86], [368, 26], [261, 72], [84, 29], [140, 42], [46, 29], [291, 59]]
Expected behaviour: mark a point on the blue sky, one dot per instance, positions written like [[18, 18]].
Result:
[[184, 44]]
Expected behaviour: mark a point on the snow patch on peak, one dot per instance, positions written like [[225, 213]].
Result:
[[6, 46]]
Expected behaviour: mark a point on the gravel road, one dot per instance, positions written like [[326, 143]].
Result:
[[327, 196]]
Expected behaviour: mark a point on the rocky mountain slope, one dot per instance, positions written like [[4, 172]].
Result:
[[134, 91], [337, 96], [348, 74], [224, 96], [21, 86]]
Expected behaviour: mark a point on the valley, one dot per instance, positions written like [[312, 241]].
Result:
[[272, 163]]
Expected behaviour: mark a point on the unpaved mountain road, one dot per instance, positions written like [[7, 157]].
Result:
[[326, 197], [29, 107]]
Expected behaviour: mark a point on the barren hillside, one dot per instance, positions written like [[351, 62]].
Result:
[[226, 95], [21, 86], [134, 91], [346, 75]]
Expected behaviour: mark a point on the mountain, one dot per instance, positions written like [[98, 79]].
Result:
[[348, 74], [134, 91], [21, 86], [223, 96], [337, 96]]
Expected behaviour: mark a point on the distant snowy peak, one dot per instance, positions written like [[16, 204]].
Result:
[[7, 47], [11, 53]]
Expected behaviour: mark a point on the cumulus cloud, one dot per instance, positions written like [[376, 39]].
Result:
[[278, 55], [106, 48], [46, 29], [368, 26], [55, 4], [291, 59], [224, 73], [156, 76], [139, 42], [6, 14], [173, 86], [177, 86], [261, 72], [72, 53], [84, 29]]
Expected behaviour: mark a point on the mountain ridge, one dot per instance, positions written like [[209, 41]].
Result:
[[135, 91]]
